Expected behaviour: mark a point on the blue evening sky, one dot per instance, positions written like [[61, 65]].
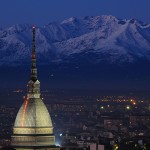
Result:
[[42, 12]]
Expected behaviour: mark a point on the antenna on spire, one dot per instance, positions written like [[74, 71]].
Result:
[[33, 26], [33, 38], [33, 67], [33, 84]]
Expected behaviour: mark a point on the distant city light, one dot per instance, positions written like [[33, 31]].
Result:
[[131, 100], [128, 107], [102, 107], [57, 143], [116, 147], [134, 103]]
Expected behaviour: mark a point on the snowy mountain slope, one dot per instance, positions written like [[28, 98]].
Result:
[[94, 39]]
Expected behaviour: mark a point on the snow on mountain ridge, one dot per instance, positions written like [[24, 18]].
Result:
[[109, 38]]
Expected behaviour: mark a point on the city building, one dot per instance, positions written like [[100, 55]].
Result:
[[33, 127]]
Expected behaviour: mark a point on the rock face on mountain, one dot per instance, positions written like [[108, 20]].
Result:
[[92, 40]]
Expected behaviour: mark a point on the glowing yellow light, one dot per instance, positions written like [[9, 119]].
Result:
[[128, 107], [116, 147], [131, 100], [102, 107], [134, 103]]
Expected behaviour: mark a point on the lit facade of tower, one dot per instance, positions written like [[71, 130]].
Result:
[[33, 126]]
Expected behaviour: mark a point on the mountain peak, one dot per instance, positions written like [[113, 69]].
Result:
[[70, 20], [91, 39]]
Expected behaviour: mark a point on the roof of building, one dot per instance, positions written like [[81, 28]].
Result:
[[33, 113]]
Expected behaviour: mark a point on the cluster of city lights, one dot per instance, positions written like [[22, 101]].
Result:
[[133, 102]]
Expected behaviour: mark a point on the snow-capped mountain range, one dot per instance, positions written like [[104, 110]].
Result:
[[91, 39]]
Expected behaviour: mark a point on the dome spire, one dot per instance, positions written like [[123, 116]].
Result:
[[33, 84], [33, 127], [33, 66]]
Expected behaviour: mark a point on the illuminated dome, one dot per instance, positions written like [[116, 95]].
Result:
[[33, 113], [33, 126]]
